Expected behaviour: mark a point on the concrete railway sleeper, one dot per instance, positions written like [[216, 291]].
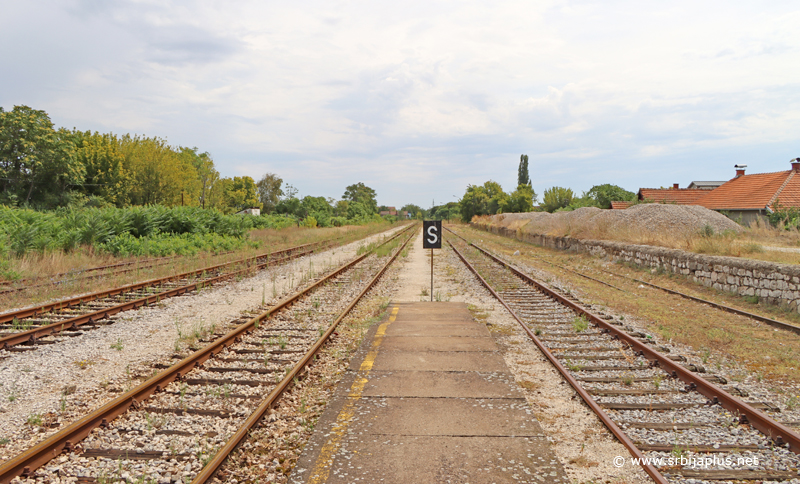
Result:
[[655, 406], [181, 424], [29, 326]]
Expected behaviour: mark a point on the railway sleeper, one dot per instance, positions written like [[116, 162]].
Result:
[[125, 454], [732, 475]]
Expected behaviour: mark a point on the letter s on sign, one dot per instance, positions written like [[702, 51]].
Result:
[[434, 236]]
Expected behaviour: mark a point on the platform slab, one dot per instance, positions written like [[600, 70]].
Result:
[[437, 361], [421, 404], [423, 459], [440, 384]]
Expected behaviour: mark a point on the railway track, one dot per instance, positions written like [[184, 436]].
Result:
[[35, 326], [657, 406], [181, 424], [756, 317], [91, 273]]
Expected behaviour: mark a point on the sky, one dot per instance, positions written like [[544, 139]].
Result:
[[419, 99]]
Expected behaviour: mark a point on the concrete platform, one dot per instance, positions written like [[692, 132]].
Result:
[[428, 399]]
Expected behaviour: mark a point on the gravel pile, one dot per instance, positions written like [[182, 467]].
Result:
[[592, 222]]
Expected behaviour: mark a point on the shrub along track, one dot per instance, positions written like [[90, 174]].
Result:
[[665, 409], [201, 408], [38, 325]]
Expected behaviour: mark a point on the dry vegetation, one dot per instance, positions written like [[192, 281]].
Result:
[[44, 267], [711, 235], [716, 336]]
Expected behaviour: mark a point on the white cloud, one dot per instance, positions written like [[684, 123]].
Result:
[[421, 98]]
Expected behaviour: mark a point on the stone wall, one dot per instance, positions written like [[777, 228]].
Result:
[[771, 282]]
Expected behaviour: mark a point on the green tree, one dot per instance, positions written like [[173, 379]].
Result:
[[557, 197], [207, 174], [496, 195], [603, 195], [414, 210], [340, 208], [230, 195], [159, 174], [316, 207], [362, 194], [359, 212], [474, 202], [269, 191], [35, 160], [289, 203], [522, 172], [520, 200], [448, 211], [242, 194], [482, 200], [103, 164]]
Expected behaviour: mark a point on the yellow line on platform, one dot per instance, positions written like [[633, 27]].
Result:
[[322, 467]]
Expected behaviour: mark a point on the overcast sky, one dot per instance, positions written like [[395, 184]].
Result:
[[418, 99]]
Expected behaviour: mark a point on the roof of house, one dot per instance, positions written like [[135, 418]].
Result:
[[678, 196], [755, 192], [620, 205], [706, 185]]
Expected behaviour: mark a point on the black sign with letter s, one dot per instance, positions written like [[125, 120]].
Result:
[[432, 234]]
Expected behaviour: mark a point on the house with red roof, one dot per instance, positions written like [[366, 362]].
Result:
[[676, 195], [748, 197], [744, 198], [622, 205]]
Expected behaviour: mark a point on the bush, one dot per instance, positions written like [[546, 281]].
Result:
[[160, 245], [113, 229]]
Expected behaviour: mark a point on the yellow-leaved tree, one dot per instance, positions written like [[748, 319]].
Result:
[[158, 173]]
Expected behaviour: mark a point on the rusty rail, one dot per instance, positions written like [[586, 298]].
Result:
[[610, 424], [28, 461], [207, 473], [772, 322], [69, 302], [31, 335], [776, 431], [82, 271]]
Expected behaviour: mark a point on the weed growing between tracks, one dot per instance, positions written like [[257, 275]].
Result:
[[737, 341], [272, 450]]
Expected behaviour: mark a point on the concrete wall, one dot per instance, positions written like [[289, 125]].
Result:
[[771, 282]]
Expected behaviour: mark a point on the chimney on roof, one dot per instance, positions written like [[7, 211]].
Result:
[[739, 170], [795, 164], [676, 186]]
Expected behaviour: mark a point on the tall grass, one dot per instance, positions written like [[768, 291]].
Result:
[[147, 230]]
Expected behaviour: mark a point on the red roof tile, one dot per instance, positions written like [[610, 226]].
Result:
[[678, 196], [620, 205], [790, 195], [755, 192]]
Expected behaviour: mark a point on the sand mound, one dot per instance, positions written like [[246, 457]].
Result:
[[644, 220]]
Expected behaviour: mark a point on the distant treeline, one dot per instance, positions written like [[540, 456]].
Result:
[[44, 168], [490, 199]]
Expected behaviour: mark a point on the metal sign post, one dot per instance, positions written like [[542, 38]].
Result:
[[432, 239]]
